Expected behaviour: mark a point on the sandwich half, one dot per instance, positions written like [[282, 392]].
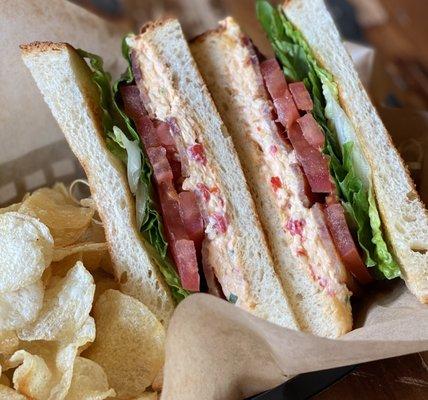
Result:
[[334, 197], [297, 230], [163, 172], [404, 218]]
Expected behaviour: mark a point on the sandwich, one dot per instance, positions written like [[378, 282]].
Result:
[[332, 192], [163, 172]]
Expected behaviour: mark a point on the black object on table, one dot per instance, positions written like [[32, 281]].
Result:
[[305, 386]]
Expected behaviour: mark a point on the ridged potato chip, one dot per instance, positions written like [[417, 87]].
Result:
[[129, 343], [66, 306], [6, 393], [66, 220], [89, 382], [20, 307], [26, 250]]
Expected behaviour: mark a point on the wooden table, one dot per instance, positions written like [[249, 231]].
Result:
[[401, 44]]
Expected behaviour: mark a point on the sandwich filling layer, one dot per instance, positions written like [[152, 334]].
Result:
[[297, 126], [220, 256]]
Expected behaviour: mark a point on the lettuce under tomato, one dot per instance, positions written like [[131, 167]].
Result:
[[123, 141], [347, 163]]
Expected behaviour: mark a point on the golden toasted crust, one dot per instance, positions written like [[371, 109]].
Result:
[[153, 25], [39, 47]]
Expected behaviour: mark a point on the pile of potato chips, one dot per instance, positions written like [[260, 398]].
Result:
[[66, 331]]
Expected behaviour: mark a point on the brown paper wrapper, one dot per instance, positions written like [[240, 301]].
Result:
[[23, 113], [214, 350]]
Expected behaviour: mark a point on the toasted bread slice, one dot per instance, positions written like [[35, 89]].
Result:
[[174, 89], [231, 70], [64, 79], [404, 216]]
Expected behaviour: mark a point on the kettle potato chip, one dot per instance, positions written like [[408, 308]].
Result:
[[4, 380], [10, 208], [95, 233], [51, 240], [89, 381], [14, 206], [86, 335], [6, 393], [61, 268], [66, 221], [26, 250], [129, 343], [21, 306], [57, 357], [47, 275], [158, 381], [61, 188], [33, 376], [66, 306]]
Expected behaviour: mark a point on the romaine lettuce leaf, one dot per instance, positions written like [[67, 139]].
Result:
[[347, 163], [385, 261], [342, 126], [357, 190], [123, 141], [133, 159]]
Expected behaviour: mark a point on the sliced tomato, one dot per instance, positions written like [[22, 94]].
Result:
[[345, 244]]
